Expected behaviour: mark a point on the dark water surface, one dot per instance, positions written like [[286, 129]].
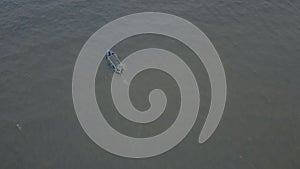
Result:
[[258, 42]]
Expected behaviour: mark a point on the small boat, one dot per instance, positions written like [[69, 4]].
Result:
[[113, 61]]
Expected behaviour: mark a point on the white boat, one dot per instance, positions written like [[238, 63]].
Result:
[[113, 61]]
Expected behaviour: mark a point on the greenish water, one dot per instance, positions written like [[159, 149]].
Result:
[[258, 42]]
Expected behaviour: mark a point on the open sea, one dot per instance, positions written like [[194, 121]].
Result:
[[258, 42]]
